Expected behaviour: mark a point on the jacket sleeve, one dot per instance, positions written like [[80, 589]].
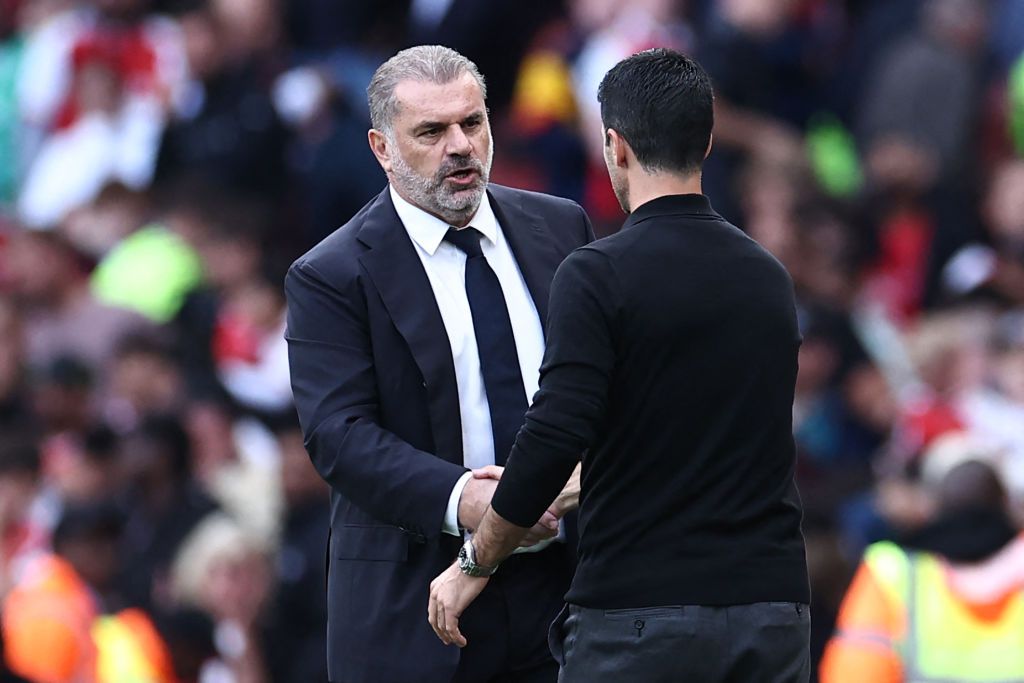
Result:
[[862, 647], [588, 228], [335, 386]]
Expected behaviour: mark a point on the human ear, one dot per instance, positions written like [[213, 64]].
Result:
[[619, 148], [380, 148]]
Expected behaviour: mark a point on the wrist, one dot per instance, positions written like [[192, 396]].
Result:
[[454, 513], [565, 504], [468, 564]]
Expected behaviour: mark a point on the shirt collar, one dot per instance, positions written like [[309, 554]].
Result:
[[671, 204], [428, 231]]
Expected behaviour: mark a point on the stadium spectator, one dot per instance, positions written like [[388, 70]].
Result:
[[943, 602]]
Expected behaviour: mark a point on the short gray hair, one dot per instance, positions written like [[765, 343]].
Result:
[[426, 63]]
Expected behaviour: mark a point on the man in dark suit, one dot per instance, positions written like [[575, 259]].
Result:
[[671, 361], [415, 336]]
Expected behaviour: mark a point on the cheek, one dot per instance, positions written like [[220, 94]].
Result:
[[423, 159], [482, 143]]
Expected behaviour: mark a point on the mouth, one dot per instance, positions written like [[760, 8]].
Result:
[[464, 177]]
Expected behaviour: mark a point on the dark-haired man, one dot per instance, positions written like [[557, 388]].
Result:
[[670, 362]]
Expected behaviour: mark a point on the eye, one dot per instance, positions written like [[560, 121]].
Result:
[[472, 124], [430, 132]]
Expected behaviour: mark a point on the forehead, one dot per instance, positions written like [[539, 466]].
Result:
[[420, 101]]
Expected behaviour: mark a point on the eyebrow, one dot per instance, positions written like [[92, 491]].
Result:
[[427, 125]]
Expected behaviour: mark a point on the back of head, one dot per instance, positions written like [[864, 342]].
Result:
[[973, 521], [662, 103], [971, 484]]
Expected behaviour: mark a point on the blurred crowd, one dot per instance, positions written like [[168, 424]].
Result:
[[163, 161]]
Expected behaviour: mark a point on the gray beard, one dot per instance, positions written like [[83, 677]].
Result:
[[434, 195]]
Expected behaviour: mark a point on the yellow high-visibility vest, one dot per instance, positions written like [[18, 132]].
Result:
[[944, 642], [121, 653]]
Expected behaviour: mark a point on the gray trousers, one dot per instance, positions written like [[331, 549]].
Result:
[[767, 642]]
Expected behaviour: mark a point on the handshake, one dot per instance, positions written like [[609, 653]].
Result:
[[476, 497], [452, 591]]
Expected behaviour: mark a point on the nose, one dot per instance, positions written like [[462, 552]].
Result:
[[457, 143]]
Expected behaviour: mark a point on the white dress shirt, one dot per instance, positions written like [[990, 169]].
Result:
[[445, 266]]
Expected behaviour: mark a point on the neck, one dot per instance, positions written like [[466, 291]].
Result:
[[643, 186]]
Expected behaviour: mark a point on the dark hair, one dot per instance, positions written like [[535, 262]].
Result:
[[100, 444], [661, 102], [144, 344]]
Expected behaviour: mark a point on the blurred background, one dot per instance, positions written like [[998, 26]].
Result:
[[162, 162]]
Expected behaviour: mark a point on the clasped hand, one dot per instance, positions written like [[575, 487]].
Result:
[[477, 496], [452, 592]]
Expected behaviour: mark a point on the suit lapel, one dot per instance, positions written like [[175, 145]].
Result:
[[397, 273], [535, 254]]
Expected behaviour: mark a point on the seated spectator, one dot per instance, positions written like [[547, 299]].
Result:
[[144, 380], [60, 315], [89, 469], [112, 139], [298, 611], [994, 270], [237, 464], [249, 349], [48, 615], [226, 126], [225, 571], [164, 504], [57, 621], [61, 393]]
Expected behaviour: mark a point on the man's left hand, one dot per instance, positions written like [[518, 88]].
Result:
[[450, 594]]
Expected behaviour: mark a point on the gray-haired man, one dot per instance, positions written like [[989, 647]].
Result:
[[415, 337]]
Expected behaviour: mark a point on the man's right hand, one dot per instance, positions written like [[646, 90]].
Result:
[[470, 507], [476, 496]]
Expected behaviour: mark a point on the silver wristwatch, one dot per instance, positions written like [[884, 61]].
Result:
[[467, 561]]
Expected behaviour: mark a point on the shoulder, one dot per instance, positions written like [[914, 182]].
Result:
[[588, 266], [753, 251], [565, 220], [530, 198]]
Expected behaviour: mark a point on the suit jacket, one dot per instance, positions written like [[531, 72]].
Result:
[[374, 384]]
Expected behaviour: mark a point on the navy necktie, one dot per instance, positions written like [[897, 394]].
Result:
[[499, 362]]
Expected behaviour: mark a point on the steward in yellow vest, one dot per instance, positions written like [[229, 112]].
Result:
[[944, 606]]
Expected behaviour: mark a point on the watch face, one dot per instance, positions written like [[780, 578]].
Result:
[[467, 565]]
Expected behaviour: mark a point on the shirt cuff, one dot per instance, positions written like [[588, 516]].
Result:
[[451, 515]]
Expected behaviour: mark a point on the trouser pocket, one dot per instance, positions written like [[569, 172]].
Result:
[[556, 636]]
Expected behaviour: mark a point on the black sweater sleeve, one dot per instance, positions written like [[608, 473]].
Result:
[[571, 402]]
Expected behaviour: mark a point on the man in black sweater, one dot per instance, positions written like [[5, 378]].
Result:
[[670, 365]]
